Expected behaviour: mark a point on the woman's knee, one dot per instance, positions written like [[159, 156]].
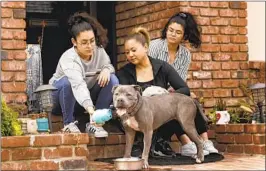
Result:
[[63, 83], [113, 80]]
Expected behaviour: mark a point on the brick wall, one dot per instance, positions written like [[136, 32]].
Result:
[[13, 45], [221, 64], [57, 151]]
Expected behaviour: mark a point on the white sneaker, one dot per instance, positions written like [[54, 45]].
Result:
[[71, 128], [97, 131], [190, 150], [208, 146]]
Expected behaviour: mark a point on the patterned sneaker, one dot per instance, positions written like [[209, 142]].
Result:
[[71, 128], [208, 146], [190, 150], [97, 131]]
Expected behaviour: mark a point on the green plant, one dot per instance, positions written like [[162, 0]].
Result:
[[9, 123], [212, 115], [220, 105]]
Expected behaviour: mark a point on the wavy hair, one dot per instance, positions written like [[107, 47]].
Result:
[[191, 31], [140, 34], [82, 21]]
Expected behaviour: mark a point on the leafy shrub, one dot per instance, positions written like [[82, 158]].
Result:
[[10, 126]]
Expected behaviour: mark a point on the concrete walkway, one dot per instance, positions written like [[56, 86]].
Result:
[[230, 162]]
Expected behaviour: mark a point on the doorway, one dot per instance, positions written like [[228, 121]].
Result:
[[56, 38]]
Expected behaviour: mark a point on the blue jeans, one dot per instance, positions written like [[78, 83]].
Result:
[[66, 104]]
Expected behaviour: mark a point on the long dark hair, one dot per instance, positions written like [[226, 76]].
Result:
[[191, 31], [82, 21]]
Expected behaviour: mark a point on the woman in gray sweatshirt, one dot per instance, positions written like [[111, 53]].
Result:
[[75, 91]]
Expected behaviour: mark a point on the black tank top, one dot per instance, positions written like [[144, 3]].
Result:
[[144, 85]]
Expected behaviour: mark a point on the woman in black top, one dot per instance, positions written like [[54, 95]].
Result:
[[146, 71]]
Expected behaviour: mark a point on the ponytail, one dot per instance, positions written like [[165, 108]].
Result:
[[191, 31], [141, 35]]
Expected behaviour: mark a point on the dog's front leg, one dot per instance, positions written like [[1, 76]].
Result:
[[147, 146], [130, 136]]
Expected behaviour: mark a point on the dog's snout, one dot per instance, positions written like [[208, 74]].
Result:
[[120, 100]]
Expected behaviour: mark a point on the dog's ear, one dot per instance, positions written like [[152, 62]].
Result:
[[137, 88], [114, 87]]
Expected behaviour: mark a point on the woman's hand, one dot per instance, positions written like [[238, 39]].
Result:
[[104, 77]]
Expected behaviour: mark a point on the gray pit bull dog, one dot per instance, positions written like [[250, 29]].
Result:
[[146, 114]]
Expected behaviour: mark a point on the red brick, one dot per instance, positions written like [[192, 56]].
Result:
[[229, 30], [221, 93], [193, 11], [14, 87], [203, 21], [230, 65], [69, 139], [242, 30], [6, 13], [242, 13], [219, 22], [5, 155], [225, 138], [95, 152], [219, 4], [16, 141], [238, 5], [211, 134], [53, 153], [199, 4], [212, 12], [18, 55], [249, 128], [47, 140], [171, 4], [239, 56], [15, 97], [14, 165], [44, 165], [20, 76], [259, 139], [19, 13], [201, 56], [228, 13], [11, 44], [243, 65], [254, 65], [7, 76], [243, 139], [202, 75], [206, 38], [209, 30], [195, 66], [261, 128], [6, 34], [211, 66], [19, 35], [194, 84], [221, 74], [220, 39], [243, 48], [230, 83], [221, 56], [13, 23], [238, 93], [211, 83], [229, 48], [183, 3], [221, 147], [26, 154], [210, 48], [238, 22], [255, 149], [73, 164], [239, 39], [209, 103], [14, 4], [114, 151], [207, 93], [235, 148], [239, 74], [81, 151]]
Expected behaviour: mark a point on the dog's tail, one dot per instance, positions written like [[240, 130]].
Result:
[[199, 108]]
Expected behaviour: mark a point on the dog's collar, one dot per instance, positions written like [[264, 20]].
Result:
[[134, 109]]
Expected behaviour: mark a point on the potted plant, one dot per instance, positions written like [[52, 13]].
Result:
[[222, 115]]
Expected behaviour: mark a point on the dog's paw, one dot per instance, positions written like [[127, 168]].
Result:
[[145, 164]]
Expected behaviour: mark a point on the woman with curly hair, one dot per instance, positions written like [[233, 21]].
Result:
[[75, 92], [179, 28]]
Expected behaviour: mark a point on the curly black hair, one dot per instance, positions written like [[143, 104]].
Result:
[[192, 33], [82, 21]]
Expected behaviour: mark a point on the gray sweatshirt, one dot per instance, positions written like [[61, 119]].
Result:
[[71, 65]]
